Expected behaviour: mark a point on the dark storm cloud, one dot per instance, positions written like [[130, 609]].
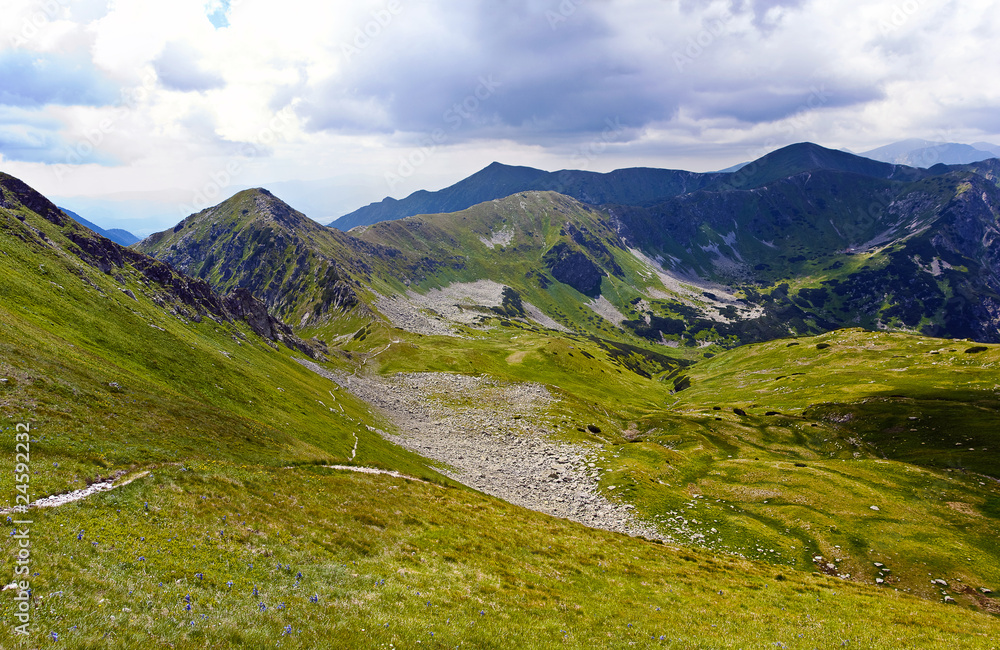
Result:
[[753, 106], [539, 72], [511, 71]]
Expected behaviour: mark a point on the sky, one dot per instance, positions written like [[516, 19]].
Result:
[[135, 113]]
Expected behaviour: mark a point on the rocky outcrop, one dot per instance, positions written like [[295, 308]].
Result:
[[14, 192], [493, 436], [242, 305], [574, 268]]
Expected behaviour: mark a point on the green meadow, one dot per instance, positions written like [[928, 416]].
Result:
[[755, 462]]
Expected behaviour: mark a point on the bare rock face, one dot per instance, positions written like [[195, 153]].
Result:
[[21, 192], [241, 304], [338, 296], [575, 269]]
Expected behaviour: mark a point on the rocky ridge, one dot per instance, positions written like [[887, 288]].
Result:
[[182, 296]]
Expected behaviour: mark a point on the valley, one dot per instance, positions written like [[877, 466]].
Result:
[[655, 408]]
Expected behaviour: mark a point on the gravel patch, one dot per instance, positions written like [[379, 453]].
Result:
[[404, 314], [502, 237], [435, 312], [603, 308], [372, 470], [76, 495], [492, 436]]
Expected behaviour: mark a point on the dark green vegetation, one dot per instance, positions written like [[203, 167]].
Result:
[[762, 463], [639, 186]]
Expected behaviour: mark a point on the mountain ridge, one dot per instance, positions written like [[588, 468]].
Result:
[[192, 298], [839, 479], [784, 246], [644, 186], [117, 235]]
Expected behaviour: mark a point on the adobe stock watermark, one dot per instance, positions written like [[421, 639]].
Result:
[[454, 117], [590, 151], [366, 34], [36, 21], [210, 193], [817, 98], [587, 153], [699, 43], [899, 16], [562, 12], [22, 530], [84, 148]]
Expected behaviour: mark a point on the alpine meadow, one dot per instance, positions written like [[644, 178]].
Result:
[[616, 405]]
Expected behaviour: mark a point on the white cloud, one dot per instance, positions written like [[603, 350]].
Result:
[[366, 85]]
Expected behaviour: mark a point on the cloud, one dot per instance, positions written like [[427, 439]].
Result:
[[179, 68], [771, 105], [35, 79], [503, 72], [697, 84], [28, 144], [29, 135], [562, 70]]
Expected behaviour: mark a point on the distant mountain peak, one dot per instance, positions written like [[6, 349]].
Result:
[[643, 186], [803, 157], [117, 235], [927, 153]]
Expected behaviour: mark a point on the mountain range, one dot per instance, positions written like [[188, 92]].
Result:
[[927, 153], [644, 186], [649, 407], [803, 240], [117, 235]]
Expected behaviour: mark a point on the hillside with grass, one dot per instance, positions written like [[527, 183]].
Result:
[[803, 492]]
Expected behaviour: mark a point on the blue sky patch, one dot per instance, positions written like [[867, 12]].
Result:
[[219, 17]]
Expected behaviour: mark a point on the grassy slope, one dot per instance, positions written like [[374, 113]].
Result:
[[70, 332], [799, 247], [838, 423], [231, 433], [385, 561], [534, 222], [256, 241], [795, 477], [783, 243]]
